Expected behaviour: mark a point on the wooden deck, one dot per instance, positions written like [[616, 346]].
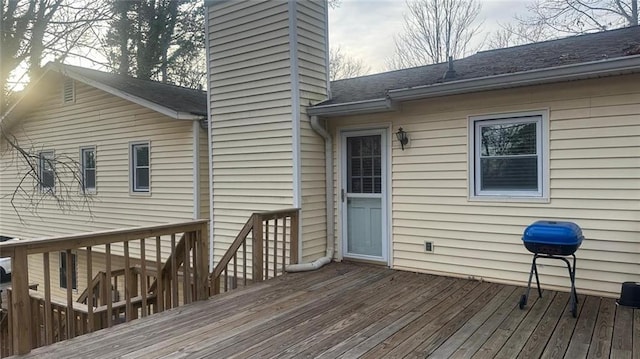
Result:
[[351, 311]]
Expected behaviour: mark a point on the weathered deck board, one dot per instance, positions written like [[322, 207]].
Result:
[[352, 311], [581, 339], [600, 346], [559, 341]]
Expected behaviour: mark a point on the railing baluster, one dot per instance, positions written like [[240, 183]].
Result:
[[89, 290], [69, 274], [143, 276], [194, 267], [226, 279], [159, 278], [48, 319], [244, 263], [294, 237], [109, 286], [203, 240], [174, 274], [35, 320], [61, 332], [10, 319], [284, 243], [127, 283], [266, 250], [235, 271], [275, 246], [186, 274]]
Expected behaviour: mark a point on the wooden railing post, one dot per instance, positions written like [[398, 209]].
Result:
[[203, 251], [257, 255], [20, 302], [295, 227]]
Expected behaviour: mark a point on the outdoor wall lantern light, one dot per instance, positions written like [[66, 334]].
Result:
[[402, 137]]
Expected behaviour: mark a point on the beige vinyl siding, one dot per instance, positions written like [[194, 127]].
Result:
[[311, 53], [110, 124], [250, 99], [594, 180], [252, 86], [204, 174]]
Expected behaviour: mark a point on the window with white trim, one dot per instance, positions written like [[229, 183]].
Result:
[[140, 169], [88, 164], [66, 266], [47, 174], [507, 156]]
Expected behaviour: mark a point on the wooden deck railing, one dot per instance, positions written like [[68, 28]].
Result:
[[270, 234], [145, 270], [145, 254], [4, 332]]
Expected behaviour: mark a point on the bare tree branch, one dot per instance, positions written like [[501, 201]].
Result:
[[434, 30], [342, 66], [32, 188], [570, 17]]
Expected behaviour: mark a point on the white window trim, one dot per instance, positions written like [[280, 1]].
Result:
[[85, 190], [542, 130], [132, 190], [40, 168]]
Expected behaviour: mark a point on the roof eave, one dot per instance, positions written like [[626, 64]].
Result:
[[352, 108], [586, 70], [594, 69], [188, 116], [127, 96]]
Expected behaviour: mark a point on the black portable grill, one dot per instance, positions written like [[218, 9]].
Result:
[[553, 240]]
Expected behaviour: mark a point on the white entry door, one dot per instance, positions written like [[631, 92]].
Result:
[[363, 195]]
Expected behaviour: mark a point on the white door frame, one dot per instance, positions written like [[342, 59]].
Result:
[[385, 195]]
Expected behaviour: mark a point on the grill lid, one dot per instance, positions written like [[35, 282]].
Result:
[[553, 233]]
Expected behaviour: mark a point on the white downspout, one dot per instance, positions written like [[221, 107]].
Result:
[[328, 155]]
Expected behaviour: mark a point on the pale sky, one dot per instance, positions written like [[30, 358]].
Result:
[[364, 28]]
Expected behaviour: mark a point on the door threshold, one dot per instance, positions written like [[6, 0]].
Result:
[[365, 261]]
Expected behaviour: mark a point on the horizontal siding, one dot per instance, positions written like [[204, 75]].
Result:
[[108, 123], [204, 175], [250, 99], [594, 177], [312, 73]]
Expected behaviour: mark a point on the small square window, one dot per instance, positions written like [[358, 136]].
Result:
[[507, 156], [88, 167], [47, 174], [140, 167]]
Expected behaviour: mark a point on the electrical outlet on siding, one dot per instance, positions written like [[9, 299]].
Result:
[[428, 246]]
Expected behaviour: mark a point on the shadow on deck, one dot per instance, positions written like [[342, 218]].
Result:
[[350, 311]]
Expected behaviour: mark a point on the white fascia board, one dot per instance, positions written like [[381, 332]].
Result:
[[610, 67], [352, 108]]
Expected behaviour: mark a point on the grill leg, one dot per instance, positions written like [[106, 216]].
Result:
[[535, 268], [574, 294], [572, 277], [523, 299]]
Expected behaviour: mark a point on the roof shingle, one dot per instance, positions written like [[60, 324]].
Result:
[[177, 98], [547, 54]]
